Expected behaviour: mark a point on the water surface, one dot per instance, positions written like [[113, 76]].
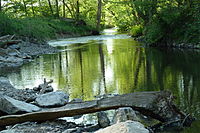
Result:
[[116, 64]]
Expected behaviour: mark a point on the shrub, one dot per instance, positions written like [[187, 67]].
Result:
[[173, 25], [136, 30]]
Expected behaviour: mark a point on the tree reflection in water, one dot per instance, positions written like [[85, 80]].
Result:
[[117, 66]]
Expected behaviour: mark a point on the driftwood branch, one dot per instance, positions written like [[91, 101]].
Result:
[[43, 87], [154, 104], [8, 40], [7, 37]]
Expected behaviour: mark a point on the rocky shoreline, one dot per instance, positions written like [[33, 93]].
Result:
[[17, 101], [14, 101], [16, 55]]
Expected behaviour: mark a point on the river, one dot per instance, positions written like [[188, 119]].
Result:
[[114, 63]]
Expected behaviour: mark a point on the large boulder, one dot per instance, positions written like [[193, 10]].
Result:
[[5, 84], [9, 106], [103, 119], [124, 114], [52, 99], [125, 127]]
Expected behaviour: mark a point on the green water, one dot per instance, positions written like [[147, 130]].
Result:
[[116, 64]]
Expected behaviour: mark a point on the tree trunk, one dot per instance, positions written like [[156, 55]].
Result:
[[158, 105], [25, 8], [40, 4], [0, 6], [77, 10], [32, 8], [70, 11], [50, 7], [64, 15], [99, 14], [57, 9]]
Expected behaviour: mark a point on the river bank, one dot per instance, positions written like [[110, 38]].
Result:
[[56, 66], [36, 110]]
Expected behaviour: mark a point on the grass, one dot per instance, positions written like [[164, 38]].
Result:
[[40, 28]]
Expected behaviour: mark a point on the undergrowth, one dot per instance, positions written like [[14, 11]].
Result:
[[40, 28]]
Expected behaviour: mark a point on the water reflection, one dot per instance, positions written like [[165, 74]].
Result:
[[117, 66]]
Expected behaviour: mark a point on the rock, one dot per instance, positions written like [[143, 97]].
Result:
[[76, 100], [36, 89], [14, 46], [10, 106], [73, 130], [48, 89], [125, 127], [18, 94], [13, 52], [124, 114], [103, 120], [5, 84], [55, 126], [8, 131], [52, 99]]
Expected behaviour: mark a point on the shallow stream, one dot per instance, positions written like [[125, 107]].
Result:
[[114, 63]]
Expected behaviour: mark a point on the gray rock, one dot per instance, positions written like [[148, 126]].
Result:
[[36, 89], [8, 131], [12, 59], [13, 52], [5, 84], [9, 105], [73, 130], [124, 114], [15, 46], [48, 89], [52, 99], [125, 127], [76, 100], [103, 119]]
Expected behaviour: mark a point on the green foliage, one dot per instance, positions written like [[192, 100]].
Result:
[[173, 25], [163, 21], [136, 30], [6, 24], [39, 27]]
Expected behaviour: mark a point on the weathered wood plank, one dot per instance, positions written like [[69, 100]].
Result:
[[158, 105]]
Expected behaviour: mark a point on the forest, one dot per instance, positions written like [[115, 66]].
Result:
[[157, 22]]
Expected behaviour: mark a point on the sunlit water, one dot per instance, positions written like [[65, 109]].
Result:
[[116, 64]]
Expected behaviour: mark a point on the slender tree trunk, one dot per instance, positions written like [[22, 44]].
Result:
[[0, 6], [64, 9], [70, 11], [40, 4], [50, 7], [32, 8], [188, 2], [25, 8], [77, 10], [99, 14], [57, 9]]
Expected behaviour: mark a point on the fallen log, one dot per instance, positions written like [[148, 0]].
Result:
[[9, 42], [157, 105], [7, 37]]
